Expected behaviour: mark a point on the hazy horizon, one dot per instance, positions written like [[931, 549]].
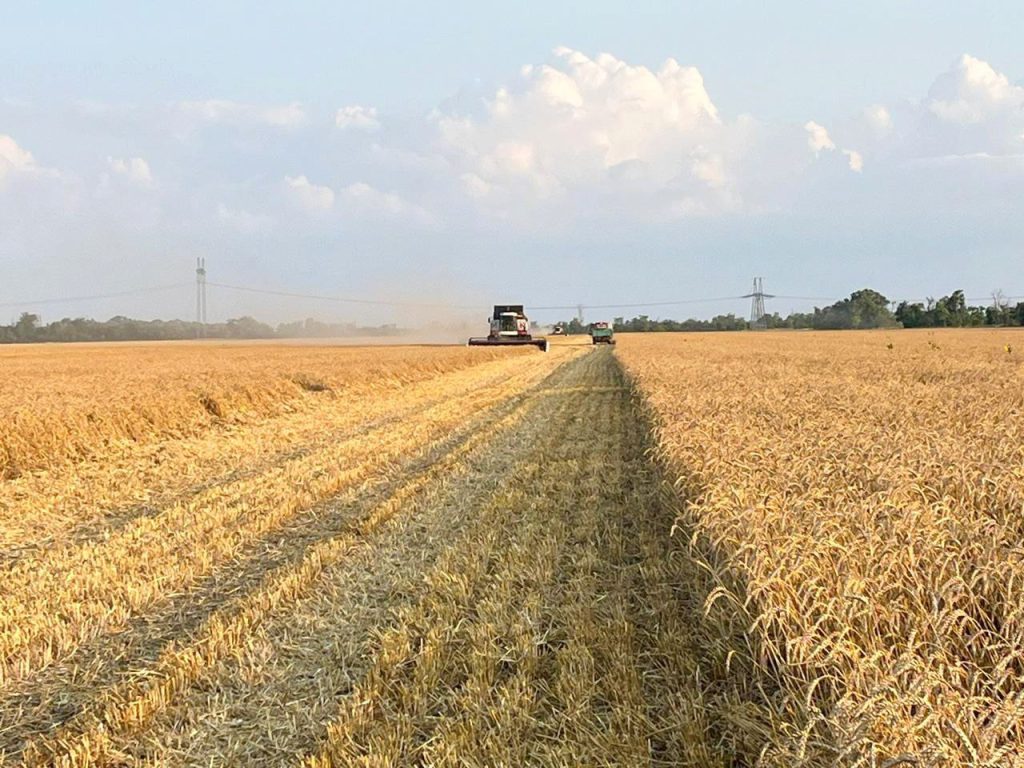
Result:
[[592, 153]]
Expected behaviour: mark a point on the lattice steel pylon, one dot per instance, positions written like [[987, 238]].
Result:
[[757, 297]]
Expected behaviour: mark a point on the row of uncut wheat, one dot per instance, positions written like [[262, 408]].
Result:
[[858, 502], [64, 403]]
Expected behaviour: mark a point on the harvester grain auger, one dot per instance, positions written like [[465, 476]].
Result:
[[509, 328]]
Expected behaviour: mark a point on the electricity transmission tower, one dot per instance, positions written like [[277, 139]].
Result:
[[757, 297], [201, 290]]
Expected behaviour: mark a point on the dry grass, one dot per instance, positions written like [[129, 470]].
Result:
[[856, 500]]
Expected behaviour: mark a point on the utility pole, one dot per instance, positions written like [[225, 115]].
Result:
[[757, 297], [201, 293], [579, 313]]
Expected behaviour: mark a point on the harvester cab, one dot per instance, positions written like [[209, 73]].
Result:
[[601, 333], [509, 327]]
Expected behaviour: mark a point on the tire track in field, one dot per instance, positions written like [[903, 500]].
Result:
[[570, 648], [518, 602], [62, 691], [418, 667], [318, 648], [127, 706], [106, 521], [46, 613]]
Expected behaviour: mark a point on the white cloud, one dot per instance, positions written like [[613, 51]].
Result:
[[970, 110], [361, 200], [855, 159], [355, 116], [134, 169], [581, 143], [972, 91], [475, 186], [878, 118], [310, 196], [12, 156], [241, 113], [818, 138], [357, 202], [18, 162], [596, 127]]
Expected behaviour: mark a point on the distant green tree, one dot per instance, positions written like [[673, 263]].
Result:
[[865, 308], [26, 327]]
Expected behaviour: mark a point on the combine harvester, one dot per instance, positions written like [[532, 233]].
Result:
[[509, 328]]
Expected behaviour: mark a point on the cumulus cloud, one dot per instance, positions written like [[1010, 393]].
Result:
[[854, 159], [312, 197], [972, 91], [355, 116], [13, 157], [596, 136], [133, 169], [596, 127], [18, 163], [818, 138], [971, 110]]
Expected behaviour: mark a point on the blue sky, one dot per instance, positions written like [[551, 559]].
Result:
[[534, 150]]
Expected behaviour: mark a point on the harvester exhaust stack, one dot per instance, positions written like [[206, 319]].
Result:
[[509, 327]]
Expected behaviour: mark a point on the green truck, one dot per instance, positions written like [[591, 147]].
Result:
[[601, 333]]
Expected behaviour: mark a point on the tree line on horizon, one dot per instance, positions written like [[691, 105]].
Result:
[[863, 309], [29, 329]]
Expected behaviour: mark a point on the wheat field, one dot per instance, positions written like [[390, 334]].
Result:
[[777, 549], [856, 501]]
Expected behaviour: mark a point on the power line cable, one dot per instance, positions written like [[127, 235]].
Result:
[[380, 302], [95, 297], [341, 299], [650, 303]]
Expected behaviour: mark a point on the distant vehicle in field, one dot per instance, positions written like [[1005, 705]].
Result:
[[558, 330], [509, 327], [601, 333]]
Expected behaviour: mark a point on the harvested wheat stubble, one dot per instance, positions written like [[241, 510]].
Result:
[[308, 478], [535, 644], [442, 609], [302, 656], [66, 402], [859, 514], [129, 478], [64, 689]]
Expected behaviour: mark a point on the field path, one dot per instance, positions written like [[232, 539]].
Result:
[[507, 595]]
